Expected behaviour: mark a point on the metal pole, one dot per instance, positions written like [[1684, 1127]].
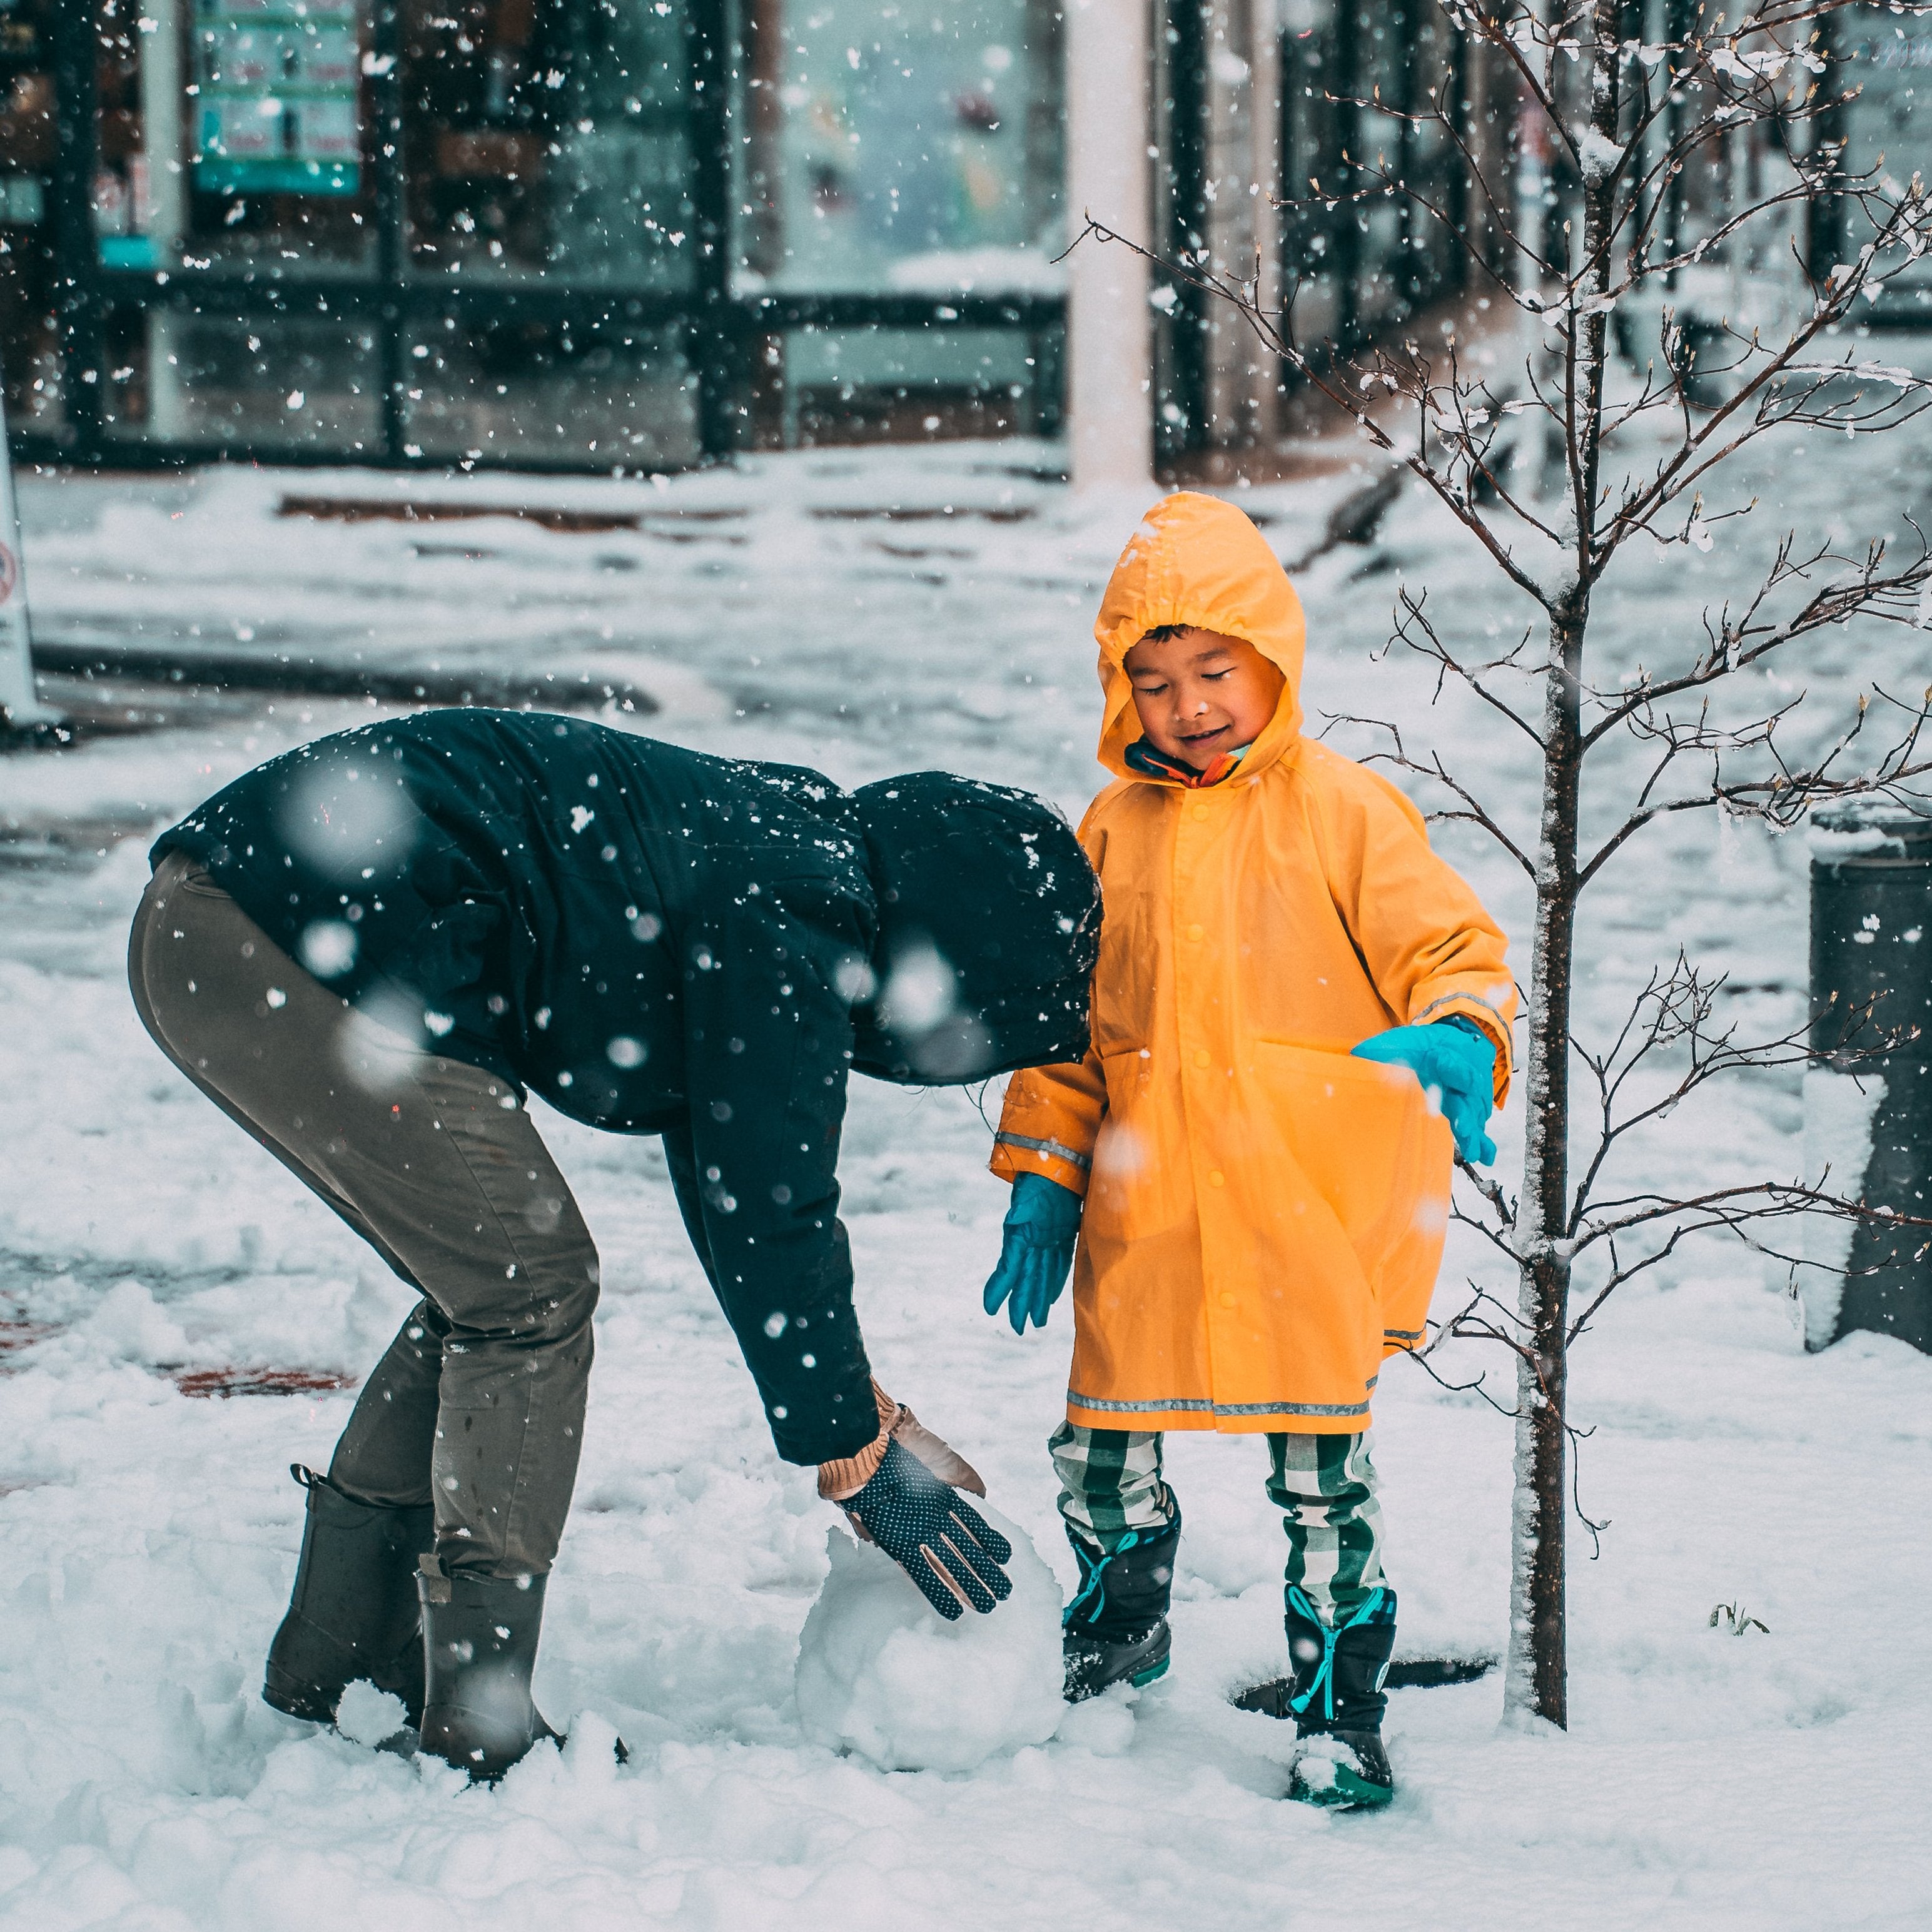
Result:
[[1826, 233], [70, 223], [1868, 1115], [722, 400], [1189, 225], [20, 706], [384, 150]]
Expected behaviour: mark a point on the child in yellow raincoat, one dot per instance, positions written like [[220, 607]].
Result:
[[1297, 1007]]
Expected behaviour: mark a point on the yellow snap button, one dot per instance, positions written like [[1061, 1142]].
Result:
[[1194, 931], [1200, 811], [1217, 1179], [1227, 1300], [1200, 1056]]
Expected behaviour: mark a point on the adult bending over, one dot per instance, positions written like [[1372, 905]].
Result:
[[368, 951]]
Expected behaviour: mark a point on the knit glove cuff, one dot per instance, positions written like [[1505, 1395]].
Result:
[[840, 1480], [848, 1474]]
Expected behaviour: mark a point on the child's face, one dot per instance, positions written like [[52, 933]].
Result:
[[1202, 693]]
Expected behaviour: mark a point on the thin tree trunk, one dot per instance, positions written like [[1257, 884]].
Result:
[[1538, 1664]]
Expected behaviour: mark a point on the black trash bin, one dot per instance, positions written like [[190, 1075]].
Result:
[[1868, 1114]]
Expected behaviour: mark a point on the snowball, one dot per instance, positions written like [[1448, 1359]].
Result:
[[881, 1673], [367, 1716]]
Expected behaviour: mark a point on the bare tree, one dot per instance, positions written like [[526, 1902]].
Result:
[[1570, 465]]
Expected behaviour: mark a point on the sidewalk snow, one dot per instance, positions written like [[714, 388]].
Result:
[[1724, 1783]]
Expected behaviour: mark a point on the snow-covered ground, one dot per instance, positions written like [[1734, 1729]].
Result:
[[148, 1535]]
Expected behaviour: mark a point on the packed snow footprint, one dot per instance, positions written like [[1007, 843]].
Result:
[[881, 1674]]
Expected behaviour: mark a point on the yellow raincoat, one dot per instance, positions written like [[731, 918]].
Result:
[[1264, 1215]]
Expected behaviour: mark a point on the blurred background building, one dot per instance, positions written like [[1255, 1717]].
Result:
[[601, 234]]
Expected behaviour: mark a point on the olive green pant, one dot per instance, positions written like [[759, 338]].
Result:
[[477, 1406]]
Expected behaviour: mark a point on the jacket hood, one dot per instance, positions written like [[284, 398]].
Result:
[[989, 925], [1197, 560]]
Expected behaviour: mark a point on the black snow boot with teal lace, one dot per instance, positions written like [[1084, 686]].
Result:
[[1115, 1631], [1338, 1702]]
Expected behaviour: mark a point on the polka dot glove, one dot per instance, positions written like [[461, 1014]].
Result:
[[934, 1535]]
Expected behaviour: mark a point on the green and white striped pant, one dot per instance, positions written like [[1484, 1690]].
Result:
[[1325, 1486]]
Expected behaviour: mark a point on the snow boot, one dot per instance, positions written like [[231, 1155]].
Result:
[[479, 1640], [353, 1613], [1115, 1630], [1338, 1703]]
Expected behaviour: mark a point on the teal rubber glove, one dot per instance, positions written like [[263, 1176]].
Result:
[[1458, 1059], [1037, 1254]]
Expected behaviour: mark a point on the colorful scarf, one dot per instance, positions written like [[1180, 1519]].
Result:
[[1144, 759]]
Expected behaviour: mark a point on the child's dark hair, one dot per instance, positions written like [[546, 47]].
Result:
[[1165, 634]]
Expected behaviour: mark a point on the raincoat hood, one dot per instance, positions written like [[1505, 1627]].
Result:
[[989, 925], [1197, 560]]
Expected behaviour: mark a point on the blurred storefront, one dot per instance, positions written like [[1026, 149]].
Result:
[[635, 234], [571, 233]]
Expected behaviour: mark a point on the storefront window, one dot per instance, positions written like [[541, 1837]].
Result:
[[279, 110], [899, 149], [612, 391], [232, 134], [868, 384], [550, 139], [272, 383], [230, 138], [232, 254]]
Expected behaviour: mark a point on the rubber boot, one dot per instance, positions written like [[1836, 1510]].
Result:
[[1338, 1702], [353, 1613], [479, 1649], [1115, 1630]]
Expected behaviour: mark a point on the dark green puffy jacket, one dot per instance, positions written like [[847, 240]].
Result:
[[657, 941]]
